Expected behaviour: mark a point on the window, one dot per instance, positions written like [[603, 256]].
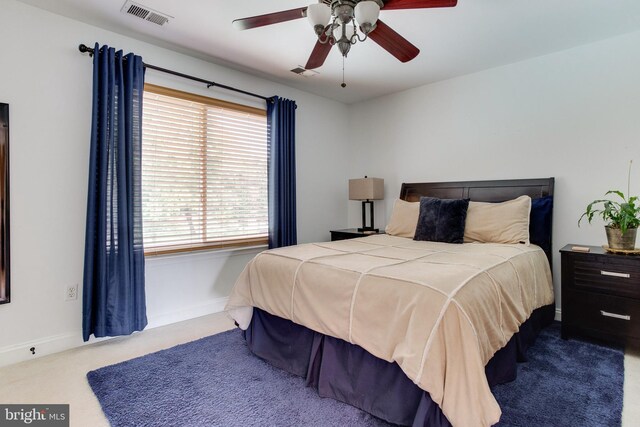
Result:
[[204, 172]]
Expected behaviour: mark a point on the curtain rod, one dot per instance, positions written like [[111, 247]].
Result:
[[84, 49]]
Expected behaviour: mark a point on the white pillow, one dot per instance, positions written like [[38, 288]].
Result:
[[506, 222], [404, 219]]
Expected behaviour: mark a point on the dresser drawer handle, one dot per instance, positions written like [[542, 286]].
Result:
[[614, 274], [617, 316]]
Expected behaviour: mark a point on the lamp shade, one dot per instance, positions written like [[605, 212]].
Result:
[[366, 189], [318, 14], [367, 12]]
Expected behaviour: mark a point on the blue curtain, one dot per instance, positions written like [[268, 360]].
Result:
[[281, 130], [114, 296]]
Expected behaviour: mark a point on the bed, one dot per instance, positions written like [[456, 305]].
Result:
[[412, 332]]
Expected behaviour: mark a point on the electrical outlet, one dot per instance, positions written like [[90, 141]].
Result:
[[71, 293]]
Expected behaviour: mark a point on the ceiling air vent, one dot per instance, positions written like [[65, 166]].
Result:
[[301, 71], [140, 11]]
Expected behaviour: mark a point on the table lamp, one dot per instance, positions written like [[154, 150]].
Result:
[[366, 190]]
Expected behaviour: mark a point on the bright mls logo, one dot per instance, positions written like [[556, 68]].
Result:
[[34, 415]]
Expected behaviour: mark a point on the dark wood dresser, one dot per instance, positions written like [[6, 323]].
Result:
[[351, 233], [600, 295]]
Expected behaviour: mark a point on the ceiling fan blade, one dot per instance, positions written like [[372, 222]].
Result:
[[270, 18], [318, 55], [393, 42], [417, 4]]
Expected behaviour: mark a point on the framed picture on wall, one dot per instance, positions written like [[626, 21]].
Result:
[[5, 289]]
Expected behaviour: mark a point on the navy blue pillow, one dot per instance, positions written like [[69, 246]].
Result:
[[540, 222], [441, 220]]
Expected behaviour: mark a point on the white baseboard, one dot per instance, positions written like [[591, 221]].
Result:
[[558, 315], [56, 343], [44, 346]]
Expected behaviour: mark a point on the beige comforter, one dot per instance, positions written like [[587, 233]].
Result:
[[439, 310]]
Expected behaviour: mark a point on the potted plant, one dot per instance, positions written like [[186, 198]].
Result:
[[622, 217]]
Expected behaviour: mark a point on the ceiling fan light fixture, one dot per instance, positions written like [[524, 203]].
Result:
[[343, 11], [343, 35], [341, 31], [366, 13], [318, 15]]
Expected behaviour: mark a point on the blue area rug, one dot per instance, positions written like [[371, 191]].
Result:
[[216, 381], [564, 383]]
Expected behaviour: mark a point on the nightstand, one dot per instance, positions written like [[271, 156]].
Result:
[[600, 295], [351, 233]]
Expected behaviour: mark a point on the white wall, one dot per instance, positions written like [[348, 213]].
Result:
[[573, 115], [47, 83]]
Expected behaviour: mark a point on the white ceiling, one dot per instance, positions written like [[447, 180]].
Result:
[[474, 35]]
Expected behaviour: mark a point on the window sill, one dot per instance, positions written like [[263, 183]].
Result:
[[209, 252], [210, 246]]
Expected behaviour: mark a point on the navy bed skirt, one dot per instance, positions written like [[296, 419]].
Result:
[[346, 372]]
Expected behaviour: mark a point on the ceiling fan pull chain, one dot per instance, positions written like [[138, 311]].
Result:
[[343, 83]]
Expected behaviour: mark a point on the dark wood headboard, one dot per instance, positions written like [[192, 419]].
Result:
[[481, 191]]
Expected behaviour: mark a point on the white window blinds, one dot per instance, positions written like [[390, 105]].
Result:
[[204, 172]]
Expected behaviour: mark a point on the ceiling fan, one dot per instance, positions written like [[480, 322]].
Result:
[[336, 22]]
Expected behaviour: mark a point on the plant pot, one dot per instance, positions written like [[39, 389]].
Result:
[[617, 240]]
